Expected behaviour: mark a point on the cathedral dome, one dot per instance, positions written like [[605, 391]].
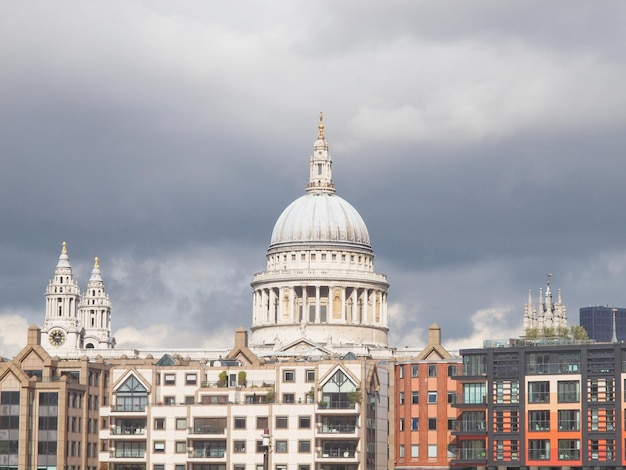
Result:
[[320, 218]]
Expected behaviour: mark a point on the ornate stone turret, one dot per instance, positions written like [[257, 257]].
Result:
[[95, 313], [548, 314], [62, 326]]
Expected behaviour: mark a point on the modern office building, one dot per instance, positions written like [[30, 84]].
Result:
[[542, 404], [599, 325]]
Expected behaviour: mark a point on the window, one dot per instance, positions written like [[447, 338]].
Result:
[[262, 422], [569, 420], [183, 466], [181, 423], [240, 422], [169, 379], [432, 424], [432, 451], [415, 398], [539, 420], [415, 424], [568, 391], [452, 371], [538, 392], [432, 397], [401, 372], [304, 446], [432, 370], [538, 449], [401, 398], [310, 375], [282, 422], [281, 447], [189, 400], [236, 466], [474, 393], [281, 467], [304, 467], [191, 379], [289, 376], [401, 451], [401, 424], [260, 448], [239, 447], [415, 370], [569, 449], [169, 401], [158, 466], [159, 446], [304, 422], [181, 447], [289, 398], [451, 398], [451, 422], [415, 451], [159, 423]]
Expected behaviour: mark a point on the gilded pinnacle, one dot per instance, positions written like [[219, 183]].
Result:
[[320, 134]]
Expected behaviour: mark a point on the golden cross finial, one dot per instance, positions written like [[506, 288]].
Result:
[[64, 248], [95, 263], [320, 134]]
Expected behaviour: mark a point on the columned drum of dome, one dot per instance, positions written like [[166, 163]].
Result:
[[320, 283]]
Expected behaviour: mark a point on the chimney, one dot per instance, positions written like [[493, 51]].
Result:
[[241, 337]]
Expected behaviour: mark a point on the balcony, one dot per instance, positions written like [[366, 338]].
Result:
[[336, 429], [206, 430], [324, 406], [470, 455], [470, 427], [140, 409], [128, 431], [207, 453], [127, 453], [336, 454]]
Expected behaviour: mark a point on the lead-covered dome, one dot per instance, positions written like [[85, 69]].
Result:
[[320, 218]]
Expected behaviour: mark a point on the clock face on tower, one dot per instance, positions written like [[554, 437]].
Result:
[[56, 337]]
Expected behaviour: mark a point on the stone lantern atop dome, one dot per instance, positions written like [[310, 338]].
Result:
[[320, 283]]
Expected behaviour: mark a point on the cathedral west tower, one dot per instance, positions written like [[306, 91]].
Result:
[[320, 283]]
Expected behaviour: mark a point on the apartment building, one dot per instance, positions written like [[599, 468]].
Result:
[[543, 403]]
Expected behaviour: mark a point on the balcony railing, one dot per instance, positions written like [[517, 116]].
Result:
[[337, 405], [337, 454], [470, 426], [337, 428], [471, 454], [129, 408], [206, 430], [128, 453], [125, 430], [207, 453]]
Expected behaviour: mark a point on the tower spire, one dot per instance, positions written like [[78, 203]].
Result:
[[320, 173]]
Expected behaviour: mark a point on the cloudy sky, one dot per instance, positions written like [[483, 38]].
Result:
[[483, 143]]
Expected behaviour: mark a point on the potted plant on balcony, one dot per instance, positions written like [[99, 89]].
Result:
[[242, 378], [223, 377], [310, 395], [355, 396]]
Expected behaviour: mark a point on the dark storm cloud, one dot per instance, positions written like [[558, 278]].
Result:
[[482, 143]]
